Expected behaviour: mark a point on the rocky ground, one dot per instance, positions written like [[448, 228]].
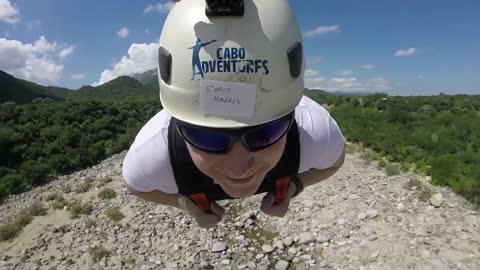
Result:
[[358, 219]]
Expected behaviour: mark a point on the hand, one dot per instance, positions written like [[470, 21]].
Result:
[[278, 210], [204, 220]]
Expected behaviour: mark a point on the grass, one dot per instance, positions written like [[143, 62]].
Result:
[[114, 214], [425, 191], [59, 203], [77, 208], [392, 168], [105, 181], [106, 194], [23, 218], [99, 252], [84, 187]]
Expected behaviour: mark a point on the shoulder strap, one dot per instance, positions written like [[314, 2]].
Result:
[[190, 180]]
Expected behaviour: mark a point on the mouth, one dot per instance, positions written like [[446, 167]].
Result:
[[239, 181]]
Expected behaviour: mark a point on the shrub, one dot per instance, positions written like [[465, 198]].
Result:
[[51, 197], [392, 168], [77, 209], [84, 187], [59, 203], [37, 209], [99, 252], [9, 231], [114, 214], [106, 194]]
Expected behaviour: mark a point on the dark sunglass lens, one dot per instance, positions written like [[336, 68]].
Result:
[[267, 134], [205, 139]]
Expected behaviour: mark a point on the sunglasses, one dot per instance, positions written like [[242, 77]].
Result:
[[220, 140]]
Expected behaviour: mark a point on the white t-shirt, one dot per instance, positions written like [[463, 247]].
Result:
[[147, 164]]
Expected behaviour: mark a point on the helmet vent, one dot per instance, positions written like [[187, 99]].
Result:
[[164, 64], [295, 58]]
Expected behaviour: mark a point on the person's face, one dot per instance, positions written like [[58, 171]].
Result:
[[239, 172]]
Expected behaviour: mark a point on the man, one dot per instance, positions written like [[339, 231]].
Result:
[[241, 128]]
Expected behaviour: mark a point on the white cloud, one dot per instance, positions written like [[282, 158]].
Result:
[[80, 76], [65, 52], [314, 81], [368, 66], [122, 33], [321, 30], [34, 62], [309, 73], [407, 52], [8, 13], [139, 58], [346, 73], [161, 8]]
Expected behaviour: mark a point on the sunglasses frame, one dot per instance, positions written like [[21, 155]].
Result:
[[236, 134]]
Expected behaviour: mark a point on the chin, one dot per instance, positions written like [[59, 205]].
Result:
[[241, 190]]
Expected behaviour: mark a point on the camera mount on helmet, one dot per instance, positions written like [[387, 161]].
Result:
[[220, 8]]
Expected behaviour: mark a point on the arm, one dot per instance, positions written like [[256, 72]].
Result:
[[156, 196], [315, 176]]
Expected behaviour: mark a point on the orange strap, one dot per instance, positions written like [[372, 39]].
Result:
[[201, 200], [281, 189]]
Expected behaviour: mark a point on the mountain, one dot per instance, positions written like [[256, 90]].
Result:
[[146, 77], [120, 87], [22, 91]]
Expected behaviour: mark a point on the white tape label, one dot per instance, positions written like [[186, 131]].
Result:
[[227, 99]]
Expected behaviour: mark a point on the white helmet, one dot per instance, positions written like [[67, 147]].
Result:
[[230, 71]]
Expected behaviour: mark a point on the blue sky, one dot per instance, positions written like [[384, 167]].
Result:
[[395, 46]]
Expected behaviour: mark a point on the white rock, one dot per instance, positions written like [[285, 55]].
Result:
[[436, 200], [259, 256], [281, 265], [401, 207], [306, 237], [267, 248], [292, 251], [225, 262], [288, 241], [278, 244], [219, 247], [372, 213], [341, 221]]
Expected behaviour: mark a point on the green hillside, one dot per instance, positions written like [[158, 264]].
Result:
[[21, 91], [121, 87]]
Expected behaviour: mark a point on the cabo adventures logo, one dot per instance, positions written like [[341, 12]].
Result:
[[228, 59]]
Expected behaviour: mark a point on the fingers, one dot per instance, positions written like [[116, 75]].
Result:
[[217, 209], [205, 220], [269, 208]]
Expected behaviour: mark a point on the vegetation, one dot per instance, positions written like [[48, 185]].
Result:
[[40, 141], [23, 218], [114, 214], [77, 208], [435, 135], [98, 252], [107, 194]]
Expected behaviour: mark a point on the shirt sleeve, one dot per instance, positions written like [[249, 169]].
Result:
[[321, 140], [146, 166]]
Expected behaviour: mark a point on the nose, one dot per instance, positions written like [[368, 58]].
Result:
[[238, 162]]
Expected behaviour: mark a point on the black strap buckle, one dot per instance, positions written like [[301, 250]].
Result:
[[220, 8]]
